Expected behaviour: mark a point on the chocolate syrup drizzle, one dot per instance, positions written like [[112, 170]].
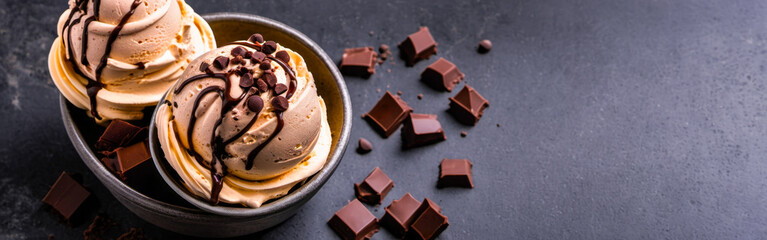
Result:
[[218, 168], [94, 85]]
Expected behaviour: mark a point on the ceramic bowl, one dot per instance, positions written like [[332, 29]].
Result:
[[178, 216]]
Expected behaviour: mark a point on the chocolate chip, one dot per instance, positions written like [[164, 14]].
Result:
[[238, 51], [280, 103], [265, 64], [204, 66], [485, 46], [269, 78], [257, 57], [283, 56], [242, 70], [175, 104], [255, 103], [269, 47], [221, 62], [383, 48], [364, 146], [256, 38], [261, 85], [280, 88], [247, 55], [237, 60], [246, 80], [167, 102]]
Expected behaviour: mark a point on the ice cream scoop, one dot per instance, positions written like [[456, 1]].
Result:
[[114, 58], [244, 123]]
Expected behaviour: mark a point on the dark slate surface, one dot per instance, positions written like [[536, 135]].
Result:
[[618, 119]]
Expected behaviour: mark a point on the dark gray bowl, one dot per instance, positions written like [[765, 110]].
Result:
[[182, 218]]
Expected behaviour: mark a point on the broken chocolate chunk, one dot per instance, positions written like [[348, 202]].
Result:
[[237, 60], [455, 173], [269, 47], [280, 103], [364, 146], [238, 51], [359, 61], [430, 222], [120, 133], [467, 106], [442, 75], [418, 46], [256, 38], [255, 104], [484, 46], [280, 88], [374, 188], [221, 62], [387, 115], [131, 163], [400, 214], [66, 196], [269, 78], [283, 56], [354, 221], [421, 129]]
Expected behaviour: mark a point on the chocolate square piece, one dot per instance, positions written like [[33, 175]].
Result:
[[467, 106], [374, 188], [418, 46], [442, 75], [120, 133], [400, 214], [455, 173], [354, 221], [359, 61], [430, 222], [66, 196], [421, 129], [388, 114], [130, 163]]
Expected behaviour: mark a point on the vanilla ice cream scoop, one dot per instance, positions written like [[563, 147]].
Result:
[[115, 58], [244, 123]]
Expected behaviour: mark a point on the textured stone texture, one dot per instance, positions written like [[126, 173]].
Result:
[[618, 119]]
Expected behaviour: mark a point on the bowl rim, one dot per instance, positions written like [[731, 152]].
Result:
[[297, 197], [316, 180]]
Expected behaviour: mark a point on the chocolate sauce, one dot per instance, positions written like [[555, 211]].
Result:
[[218, 168], [83, 53]]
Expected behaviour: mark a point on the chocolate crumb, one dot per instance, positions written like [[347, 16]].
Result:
[[378, 90], [141, 65], [364, 146], [371, 33], [261, 85], [399, 93], [484, 46], [464, 133], [167, 102], [175, 104], [133, 234], [266, 64], [237, 60], [280, 88], [498, 125], [420, 96]]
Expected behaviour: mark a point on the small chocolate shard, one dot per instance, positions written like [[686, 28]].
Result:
[[120, 133], [400, 214], [354, 221], [221, 62], [246, 80], [387, 115], [280, 104], [283, 56], [269, 47], [262, 85], [256, 38], [430, 222], [442, 75], [364, 146], [141, 65], [255, 104], [131, 163], [468, 105], [418, 46], [455, 173], [359, 61], [484, 46], [66, 196], [420, 130], [280, 88], [98, 227], [269, 78], [374, 188]]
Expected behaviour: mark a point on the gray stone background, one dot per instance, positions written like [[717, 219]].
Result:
[[618, 119]]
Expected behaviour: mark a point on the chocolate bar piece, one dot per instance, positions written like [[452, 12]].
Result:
[[418, 46], [455, 173], [130, 163], [400, 214], [374, 188], [66, 196], [467, 106], [442, 75], [359, 61], [120, 133], [354, 221], [421, 129], [430, 222], [388, 114]]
